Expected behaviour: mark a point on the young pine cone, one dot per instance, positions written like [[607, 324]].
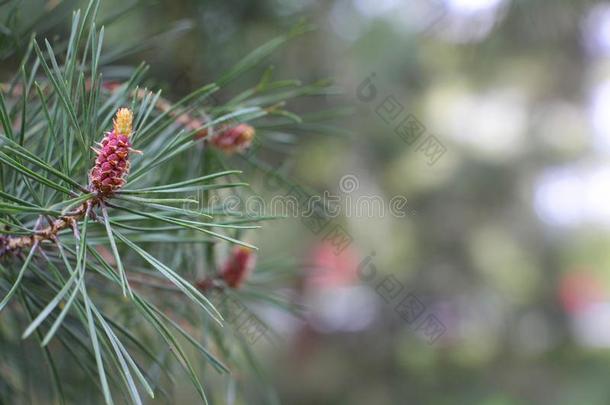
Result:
[[112, 163], [238, 266], [234, 139], [234, 272]]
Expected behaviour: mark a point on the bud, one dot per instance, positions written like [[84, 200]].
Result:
[[122, 122], [234, 139], [238, 266], [112, 163]]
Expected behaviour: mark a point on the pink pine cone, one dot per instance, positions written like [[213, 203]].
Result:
[[112, 163], [238, 266], [233, 139]]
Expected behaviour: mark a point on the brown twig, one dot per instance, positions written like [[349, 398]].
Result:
[[12, 244]]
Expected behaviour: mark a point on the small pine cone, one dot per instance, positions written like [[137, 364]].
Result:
[[234, 139], [238, 267], [112, 163]]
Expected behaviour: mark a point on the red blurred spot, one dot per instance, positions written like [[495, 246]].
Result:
[[579, 290], [332, 269]]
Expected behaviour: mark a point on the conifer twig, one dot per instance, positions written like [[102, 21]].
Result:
[[106, 177]]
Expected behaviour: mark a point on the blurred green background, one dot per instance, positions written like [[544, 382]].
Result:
[[504, 241]]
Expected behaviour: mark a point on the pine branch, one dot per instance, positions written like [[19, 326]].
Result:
[[129, 232]]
